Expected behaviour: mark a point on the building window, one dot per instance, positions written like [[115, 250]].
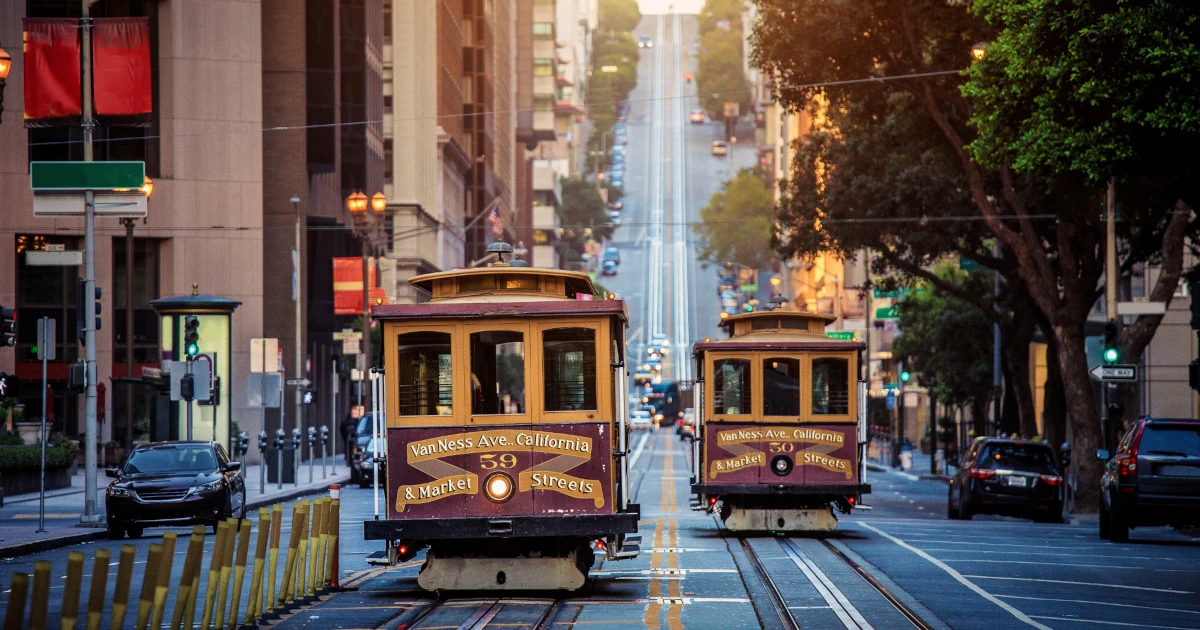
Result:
[[543, 103], [543, 30], [543, 68], [145, 289], [425, 374], [320, 86], [497, 372]]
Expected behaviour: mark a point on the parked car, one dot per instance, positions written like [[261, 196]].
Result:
[[640, 421], [1010, 477], [615, 217], [697, 116], [617, 182], [173, 484], [720, 148], [645, 42], [659, 341], [687, 424], [609, 268], [613, 254], [363, 463], [1153, 478], [362, 435], [643, 376]]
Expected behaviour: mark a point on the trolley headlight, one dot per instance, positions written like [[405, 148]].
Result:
[[498, 487], [782, 465]]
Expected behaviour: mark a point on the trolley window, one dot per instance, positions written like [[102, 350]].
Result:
[[425, 374], [731, 384], [569, 369], [830, 386], [781, 387], [497, 372]]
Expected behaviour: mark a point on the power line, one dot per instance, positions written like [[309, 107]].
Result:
[[823, 84]]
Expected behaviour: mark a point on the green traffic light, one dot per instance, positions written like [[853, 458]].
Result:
[[1112, 355], [906, 376], [192, 349]]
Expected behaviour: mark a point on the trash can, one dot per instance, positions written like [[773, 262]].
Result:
[[906, 457], [289, 466], [939, 461]]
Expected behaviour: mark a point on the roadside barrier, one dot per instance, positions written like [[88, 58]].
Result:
[[309, 571]]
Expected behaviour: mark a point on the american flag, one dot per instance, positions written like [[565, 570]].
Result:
[[496, 223]]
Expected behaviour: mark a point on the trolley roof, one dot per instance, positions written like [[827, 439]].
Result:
[[777, 330]]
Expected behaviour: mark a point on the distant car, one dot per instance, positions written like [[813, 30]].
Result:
[[643, 376], [616, 205], [609, 268], [645, 42], [612, 254], [362, 435], [659, 340], [168, 484], [655, 363], [1009, 477], [697, 116], [617, 182], [640, 421], [720, 148], [1153, 478], [364, 457], [687, 424], [615, 217]]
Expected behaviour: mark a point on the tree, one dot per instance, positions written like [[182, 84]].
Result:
[[720, 76], [1044, 223], [582, 216], [943, 341], [618, 15], [737, 223], [716, 12]]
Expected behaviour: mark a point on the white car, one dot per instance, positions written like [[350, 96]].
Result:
[[640, 421]]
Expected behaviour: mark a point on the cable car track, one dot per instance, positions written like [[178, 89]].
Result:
[[778, 604], [441, 613]]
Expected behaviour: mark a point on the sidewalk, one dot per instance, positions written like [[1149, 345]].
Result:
[[920, 468], [19, 516]]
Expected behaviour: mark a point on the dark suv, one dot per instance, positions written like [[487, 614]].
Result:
[[174, 483], [1153, 479], [1010, 477]]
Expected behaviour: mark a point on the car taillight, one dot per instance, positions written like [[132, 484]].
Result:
[[982, 473], [1127, 465], [1052, 480], [681, 422]]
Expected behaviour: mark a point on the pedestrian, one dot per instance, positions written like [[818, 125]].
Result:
[[347, 428]]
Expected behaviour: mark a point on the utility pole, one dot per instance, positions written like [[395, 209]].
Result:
[[933, 431], [1110, 252], [89, 516], [296, 290], [128, 333]]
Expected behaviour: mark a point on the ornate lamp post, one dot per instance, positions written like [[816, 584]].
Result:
[[365, 213], [146, 188], [5, 66]]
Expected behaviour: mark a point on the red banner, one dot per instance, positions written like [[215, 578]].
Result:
[[348, 286], [52, 92], [121, 60]]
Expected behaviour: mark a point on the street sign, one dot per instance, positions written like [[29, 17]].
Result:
[[891, 399], [86, 175], [841, 335], [201, 378], [748, 288], [106, 204], [263, 390], [261, 349], [47, 348], [887, 312], [55, 247], [351, 346], [1141, 308], [1114, 372], [347, 334], [298, 382], [608, 68], [35, 258]]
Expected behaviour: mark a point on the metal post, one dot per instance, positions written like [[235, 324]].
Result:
[[933, 431], [262, 466], [898, 436], [997, 374], [311, 439], [333, 419], [279, 457], [374, 439], [45, 343], [868, 314], [324, 451], [368, 280], [189, 404], [128, 333], [296, 297], [1110, 251], [623, 421], [89, 276]]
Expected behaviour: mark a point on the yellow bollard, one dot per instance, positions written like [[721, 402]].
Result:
[[260, 553], [95, 610], [41, 595], [14, 615], [121, 588], [163, 579], [314, 553], [146, 602], [226, 569], [276, 526], [322, 538], [70, 603], [187, 581], [214, 574], [286, 588], [239, 572], [331, 564], [189, 612], [302, 555]]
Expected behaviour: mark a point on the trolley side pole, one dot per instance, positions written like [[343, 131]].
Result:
[[622, 431], [374, 378]]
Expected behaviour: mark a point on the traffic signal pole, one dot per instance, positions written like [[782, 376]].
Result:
[[89, 516], [1110, 307]]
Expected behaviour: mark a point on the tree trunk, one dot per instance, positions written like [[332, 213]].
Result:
[[1081, 413], [1054, 416], [979, 418], [1016, 357]]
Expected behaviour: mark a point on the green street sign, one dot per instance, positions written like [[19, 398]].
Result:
[[841, 335], [887, 312], [966, 264], [894, 293], [86, 175], [748, 288]]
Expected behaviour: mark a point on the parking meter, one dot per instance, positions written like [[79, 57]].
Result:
[[279, 457], [324, 451], [243, 444], [312, 442], [296, 456], [262, 462]]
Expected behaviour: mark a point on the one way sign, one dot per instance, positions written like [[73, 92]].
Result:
[[1114, 372]]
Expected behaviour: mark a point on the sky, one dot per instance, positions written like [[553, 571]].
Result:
[[653, 7]]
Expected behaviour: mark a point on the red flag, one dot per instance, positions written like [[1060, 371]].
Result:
[[52, 93], [348, 286], [121, 61]]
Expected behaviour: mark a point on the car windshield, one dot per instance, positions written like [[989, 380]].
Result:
[[1018, 456], [364, 424], [1181, 439], [176, 458]]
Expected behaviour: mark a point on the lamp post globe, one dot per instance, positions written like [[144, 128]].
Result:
[[378, 202], [147, 186]]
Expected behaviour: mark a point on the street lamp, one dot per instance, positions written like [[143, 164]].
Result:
[[5, 66], [146, 188], [364, 213], [979, 50]]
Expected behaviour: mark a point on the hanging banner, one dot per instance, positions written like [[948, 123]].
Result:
[[348, 286], [121, 64], [52, 92]]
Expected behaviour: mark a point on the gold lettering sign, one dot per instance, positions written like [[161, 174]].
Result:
[[562, 484], [500, 440], [435, 490], [799, 434], [733, 464], [835, 464]]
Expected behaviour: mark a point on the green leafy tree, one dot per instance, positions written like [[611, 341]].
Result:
[[720, 76], [583, 217], [716, 12], [618, 15], [1045, 223], [737, 223]]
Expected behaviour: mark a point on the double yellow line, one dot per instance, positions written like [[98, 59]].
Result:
[[665, 528]]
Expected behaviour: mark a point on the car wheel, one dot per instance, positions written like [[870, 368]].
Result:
[[964, 510], [1104, 524], [364, 483], [115, 532], [1118, 527], [134, 532], [354, 476]]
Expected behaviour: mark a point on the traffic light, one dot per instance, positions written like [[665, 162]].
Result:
[[191, 336], [905, 376], [1112, 353], [81, 308], [8, 326], [749, 308]]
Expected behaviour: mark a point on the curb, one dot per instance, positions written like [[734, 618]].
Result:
[[875, 467], [101, 533], [941, 478]]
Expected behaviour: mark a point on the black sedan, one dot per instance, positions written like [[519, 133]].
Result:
[[174, 483], [363, 468], [1009, 477]]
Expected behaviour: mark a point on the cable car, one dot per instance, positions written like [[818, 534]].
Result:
[[506, 429], [782, 424]]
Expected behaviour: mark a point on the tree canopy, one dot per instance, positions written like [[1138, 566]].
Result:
[[737, 223], [618, 15], [720, 75], [582, 216]]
